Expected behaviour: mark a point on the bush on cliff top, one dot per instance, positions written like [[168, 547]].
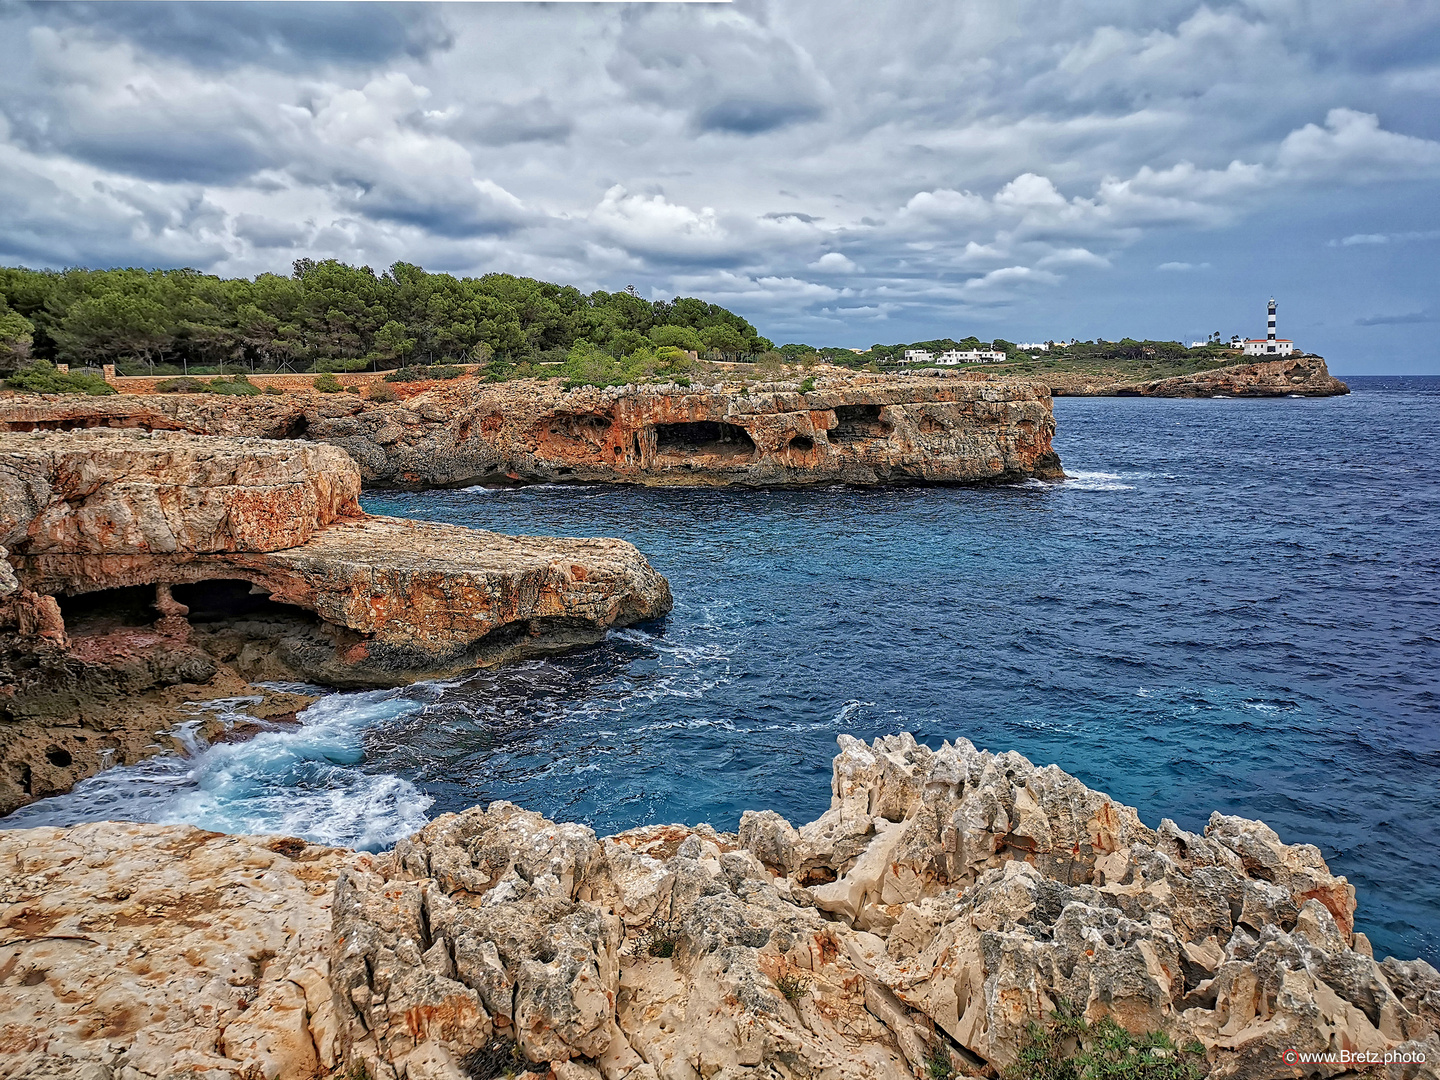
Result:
[[42, 377], [588, 365], [420, 373], [236, 385], [328, 384]]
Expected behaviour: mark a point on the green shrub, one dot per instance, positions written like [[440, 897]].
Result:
[[182, 385], [274, 391], [42, 377], [328, 384], [239, 385], [1067, 1047], [421, 373], [382, 393], [807, 386]]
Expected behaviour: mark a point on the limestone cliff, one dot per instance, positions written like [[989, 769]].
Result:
[[142, 568], [1293, 376], [847, 428], [944, 901]]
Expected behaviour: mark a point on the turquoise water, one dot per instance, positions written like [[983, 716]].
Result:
[[1233, 605]]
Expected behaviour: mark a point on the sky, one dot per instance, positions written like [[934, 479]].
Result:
[[840, 172]]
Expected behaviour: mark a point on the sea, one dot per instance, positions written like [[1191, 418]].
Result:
[[1230, 605]]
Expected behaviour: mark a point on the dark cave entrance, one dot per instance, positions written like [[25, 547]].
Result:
[[707, 437], [855, 422], [105, 610], [224, 600]]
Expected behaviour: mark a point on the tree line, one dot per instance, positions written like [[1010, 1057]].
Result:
[[329, 316]]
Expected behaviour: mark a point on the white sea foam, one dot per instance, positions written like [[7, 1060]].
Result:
[[301, 781], [1080, 480]]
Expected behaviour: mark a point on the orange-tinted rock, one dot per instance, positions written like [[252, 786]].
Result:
[[847, 428]]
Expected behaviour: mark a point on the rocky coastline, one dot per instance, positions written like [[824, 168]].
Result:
[[1294, 376], [946, 900], [834, 427], [144, 571]]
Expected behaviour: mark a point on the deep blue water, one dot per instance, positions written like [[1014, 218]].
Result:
[[1234, 605]]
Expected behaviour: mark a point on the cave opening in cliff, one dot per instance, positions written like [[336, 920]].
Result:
[[854, 422], [225, 600], [107, 610], [802, 444], [704, 437]]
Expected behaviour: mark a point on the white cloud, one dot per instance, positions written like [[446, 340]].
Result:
[[835, 263], [1182, 267]]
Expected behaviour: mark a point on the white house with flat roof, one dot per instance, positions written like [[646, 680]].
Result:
[[1034, 346], [951, 357], [1269, 345], [918, 356]]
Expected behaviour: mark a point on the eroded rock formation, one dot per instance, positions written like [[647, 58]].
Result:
[[1302, 376], [946, 899], [849, 428], [143, 570]]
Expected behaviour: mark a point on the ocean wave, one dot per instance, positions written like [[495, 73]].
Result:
[[301, 781]]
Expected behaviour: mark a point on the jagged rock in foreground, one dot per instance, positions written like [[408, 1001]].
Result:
[[1294, 376], [143, 570], [945, 899], [849, 428]]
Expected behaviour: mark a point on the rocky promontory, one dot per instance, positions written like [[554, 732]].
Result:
[[834, 427], [946, 901], [144, 567], [1294, 376]]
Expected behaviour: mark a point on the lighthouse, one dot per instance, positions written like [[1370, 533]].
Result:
[[1269, 345]]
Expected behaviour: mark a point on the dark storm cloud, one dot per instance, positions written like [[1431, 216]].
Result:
[[224, 34]]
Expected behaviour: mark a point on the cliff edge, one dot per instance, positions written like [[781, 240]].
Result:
[[140, 563], [836, 427], [1294, 376]]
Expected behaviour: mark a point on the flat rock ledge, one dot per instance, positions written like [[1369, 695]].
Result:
[[834, 427], [944, 901], [140, 570]]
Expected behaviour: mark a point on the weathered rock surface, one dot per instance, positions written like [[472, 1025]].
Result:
[[1302, 376], [944, 900], [144, 570], [850, 428], [135, 952]]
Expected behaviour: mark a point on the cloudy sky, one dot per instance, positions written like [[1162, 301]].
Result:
[[839, 171]]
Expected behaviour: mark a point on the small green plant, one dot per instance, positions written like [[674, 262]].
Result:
[[938, 1065], [274, 391], [807, 386], [42, 377], [381, 393], [352, 389], [791, 985], [328, 383], [497, 1059], [658, 938]]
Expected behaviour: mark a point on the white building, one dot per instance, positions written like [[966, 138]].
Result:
[[1269, 345], [1034, 346], [918, 356], [951, 357]]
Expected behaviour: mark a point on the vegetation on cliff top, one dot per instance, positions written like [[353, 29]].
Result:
[[327, 316]]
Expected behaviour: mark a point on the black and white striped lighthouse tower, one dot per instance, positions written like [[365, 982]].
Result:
[[1270, 326]]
